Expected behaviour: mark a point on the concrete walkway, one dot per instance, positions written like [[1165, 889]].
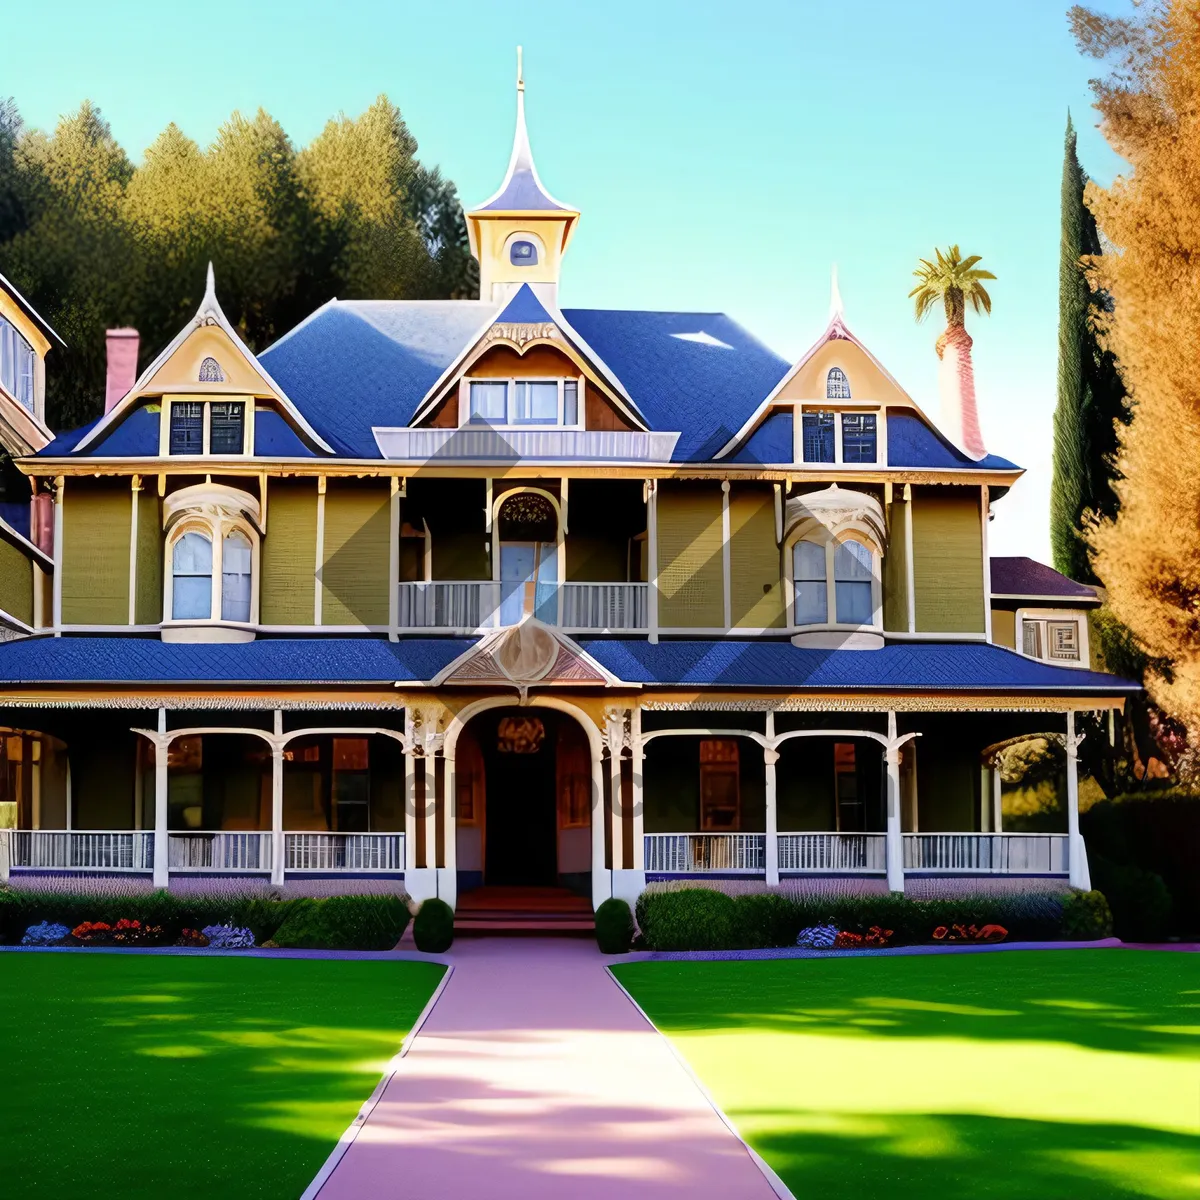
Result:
[[534, 1076]]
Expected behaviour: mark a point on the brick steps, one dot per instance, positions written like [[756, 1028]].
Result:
[[517, 911]]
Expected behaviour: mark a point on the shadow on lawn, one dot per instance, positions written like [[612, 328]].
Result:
[[962, 1157]]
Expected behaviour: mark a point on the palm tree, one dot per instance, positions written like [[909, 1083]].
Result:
[[957, 282]]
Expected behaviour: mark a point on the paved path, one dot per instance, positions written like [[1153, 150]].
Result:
[[535, 1077]]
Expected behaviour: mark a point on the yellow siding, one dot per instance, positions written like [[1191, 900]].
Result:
[[690, 574], [948, 560], [755, 584], [1004, 627], [149, 585], [895, 571], [95, 554], [289, 554], [354, 577], [16, 583]]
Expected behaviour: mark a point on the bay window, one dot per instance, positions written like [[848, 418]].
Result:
[[834, 582]]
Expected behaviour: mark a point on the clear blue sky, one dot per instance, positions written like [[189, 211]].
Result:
[[722, 154]]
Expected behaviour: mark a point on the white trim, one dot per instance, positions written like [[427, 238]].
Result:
[[8, 619], [134, 489], [726, 557], [652, 557], [480, 444], [910, 570], [985, 505], [394, 559], [22, 543], [1044, 617], [1083, 602], [319, 571], [56, 600]]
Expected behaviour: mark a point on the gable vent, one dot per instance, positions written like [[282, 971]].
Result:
[[210, 371]]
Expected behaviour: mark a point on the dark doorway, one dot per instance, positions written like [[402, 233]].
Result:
[[521, 827]]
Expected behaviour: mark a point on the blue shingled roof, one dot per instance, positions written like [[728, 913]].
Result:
[[771, 442], [522, 194], [912, 443], [267, 660], [524, 309], [275, 438], [923, 666]]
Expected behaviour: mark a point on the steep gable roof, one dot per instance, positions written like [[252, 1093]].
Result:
[[1026, 578]]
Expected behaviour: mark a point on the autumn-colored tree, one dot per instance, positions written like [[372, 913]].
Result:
[[95, 242], [1148, 557]]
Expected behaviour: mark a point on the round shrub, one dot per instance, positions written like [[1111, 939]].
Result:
[[1086, 916], [433, 927], [689, 919], [614, 927]]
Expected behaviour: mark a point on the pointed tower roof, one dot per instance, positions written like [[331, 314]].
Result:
[[522, 189]]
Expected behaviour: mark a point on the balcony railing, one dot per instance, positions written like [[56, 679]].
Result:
[[344, 851], [469, 604], [864, 853], [987, 853], [82, 850], [486, 604], [605, 607], [219, 851], [688, 853]]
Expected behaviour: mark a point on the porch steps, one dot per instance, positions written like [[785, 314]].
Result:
[[517, 911]]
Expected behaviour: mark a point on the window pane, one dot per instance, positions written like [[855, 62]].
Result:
[[235, 578], [837, 386], [1063, 637], [808, 561], [852, 560], [523, 254], [570, 402], [187, 428], [226, 421], [811, 598], [16, 364], [191, 587], [1032, 639], [536, 402], [488, 400], [858, 437], [192, 555], [817, 437], [854, 603]]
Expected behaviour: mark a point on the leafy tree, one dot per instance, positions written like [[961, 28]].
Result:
[[1091, 395], [1148, 554], [95, 242], [956, 282]]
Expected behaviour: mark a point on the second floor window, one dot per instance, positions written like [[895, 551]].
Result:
[[187, 428], [191, 578], [207, 427], [538, 402], [17, 359], [1052, 640], [840, 437], [833, 583], [226, 427]]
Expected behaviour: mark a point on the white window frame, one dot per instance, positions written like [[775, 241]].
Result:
[[164, 428], [831, 543], [22, 350], [464, 402], [1053, 616], [839, 408]]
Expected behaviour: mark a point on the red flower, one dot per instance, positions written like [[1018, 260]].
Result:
[[940, 932]]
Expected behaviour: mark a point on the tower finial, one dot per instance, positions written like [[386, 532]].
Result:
[[835, 295], [520, 72], [210, 284]]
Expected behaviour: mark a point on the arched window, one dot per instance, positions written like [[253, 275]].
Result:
[[837, 386], [210, 371], [523, 254], [191, 578], [833, 582], [236, 563], [810, 576], [17, 359], [853, 572]]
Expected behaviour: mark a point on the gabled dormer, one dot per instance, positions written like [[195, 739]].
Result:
[[520, 233], [204, 397], [25, 340]]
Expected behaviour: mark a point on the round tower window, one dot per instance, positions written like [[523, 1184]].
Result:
[[523, 254]]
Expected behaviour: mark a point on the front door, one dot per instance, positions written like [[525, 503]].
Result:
[[523, 563], [521, 826]]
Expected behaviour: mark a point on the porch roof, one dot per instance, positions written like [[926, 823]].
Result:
[[898, 667]]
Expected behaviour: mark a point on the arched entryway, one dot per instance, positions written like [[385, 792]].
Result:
[[523, 792]]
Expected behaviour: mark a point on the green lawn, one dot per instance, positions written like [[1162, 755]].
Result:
[[1026, 1074], [155, 1076]]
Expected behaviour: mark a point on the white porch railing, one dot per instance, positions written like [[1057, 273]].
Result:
[[685, 853], [469, 604], [987, 853], [847, 852], [605, 607], [344, 851], [219, 851], [82, 850]]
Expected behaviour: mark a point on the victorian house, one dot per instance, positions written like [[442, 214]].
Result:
[[492, 592]]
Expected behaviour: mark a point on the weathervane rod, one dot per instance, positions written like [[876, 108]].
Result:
[[520, 72]]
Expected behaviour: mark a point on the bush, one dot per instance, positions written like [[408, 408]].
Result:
[[614, 927], [343, 923], [1086, 916], [433, 927], [765, 920], [1139, 900], [689, 919]]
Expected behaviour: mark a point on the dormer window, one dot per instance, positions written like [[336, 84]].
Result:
[[839, 437], [523, 254], [206, 427], [837, 386], [17, 359], [542, 403]]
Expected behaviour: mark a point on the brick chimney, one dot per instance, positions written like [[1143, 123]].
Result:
[[122, 348]]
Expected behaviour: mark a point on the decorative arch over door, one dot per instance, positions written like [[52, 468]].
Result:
[[528, 559]]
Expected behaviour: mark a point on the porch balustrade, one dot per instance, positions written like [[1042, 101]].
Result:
[[605, 607], [81, 850], [344, 851], [688, 853], [220, 851], [469, 604], [987, 853], [847, 853]]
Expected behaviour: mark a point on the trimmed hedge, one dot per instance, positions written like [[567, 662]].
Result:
[[433, 927], [1139, 899], [702, 919], [344, 923], [614, 927], [1086, 916]]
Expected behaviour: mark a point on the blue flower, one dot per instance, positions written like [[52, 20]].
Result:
[[44, 934], [228, 937], [817, 937]]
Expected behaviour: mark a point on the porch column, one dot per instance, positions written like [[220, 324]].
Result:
[[639, 795], [277, 845], [614, 735], [1077, 864], [895, 843], [410, 799], [770, 758], [448, 874], [601, 877], [161, 749], [421, 741]]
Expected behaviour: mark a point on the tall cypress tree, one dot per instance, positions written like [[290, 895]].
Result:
[[1091, 395]]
